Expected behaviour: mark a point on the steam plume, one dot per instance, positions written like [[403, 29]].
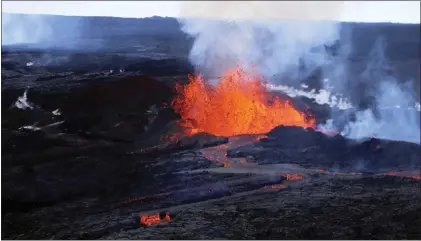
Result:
[[278, 38], [392, 113]]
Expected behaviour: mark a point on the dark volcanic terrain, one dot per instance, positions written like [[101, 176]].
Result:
[[85, 154]]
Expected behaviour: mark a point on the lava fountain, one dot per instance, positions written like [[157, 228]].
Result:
[[238, 104]]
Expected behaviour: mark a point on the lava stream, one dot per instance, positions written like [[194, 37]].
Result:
[[289, 177], [294, 177], [219, 153]]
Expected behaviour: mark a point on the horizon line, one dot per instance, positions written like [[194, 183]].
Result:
[[107, 16]]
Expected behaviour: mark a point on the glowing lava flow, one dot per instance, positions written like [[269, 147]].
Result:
[[155, 218], [219, 153], [288, 177], [238, 104], [294, 177]]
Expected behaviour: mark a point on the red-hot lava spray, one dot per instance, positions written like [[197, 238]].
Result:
[[238, 104]]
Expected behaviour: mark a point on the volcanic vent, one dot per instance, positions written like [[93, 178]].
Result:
[[238, 104]]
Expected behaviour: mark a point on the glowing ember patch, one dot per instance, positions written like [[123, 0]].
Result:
[[293, 177], [155, 218], [238, 104]]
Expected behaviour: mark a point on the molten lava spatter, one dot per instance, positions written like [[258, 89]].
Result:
[[150, 219], [237, 104]]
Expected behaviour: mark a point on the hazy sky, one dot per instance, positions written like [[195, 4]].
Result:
[[361, 11]]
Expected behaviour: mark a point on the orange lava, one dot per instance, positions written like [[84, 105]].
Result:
[[238, 104], [219, 153], [150, 219], [294, 177], [213, 156], [289, 177]]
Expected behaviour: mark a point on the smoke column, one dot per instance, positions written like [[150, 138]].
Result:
[[278, 38], [392, 113]]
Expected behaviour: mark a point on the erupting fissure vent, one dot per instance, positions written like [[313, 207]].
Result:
[[238, 104]]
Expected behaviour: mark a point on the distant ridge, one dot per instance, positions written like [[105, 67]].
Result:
[[403, 40], [155, 17]]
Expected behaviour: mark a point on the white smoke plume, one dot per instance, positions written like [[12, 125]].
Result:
[[277, 38], [399, 123], [22, 102], [321, 97], [393, 112]]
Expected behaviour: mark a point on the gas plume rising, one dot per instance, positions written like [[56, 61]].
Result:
[[391, 113], [279, 38]]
